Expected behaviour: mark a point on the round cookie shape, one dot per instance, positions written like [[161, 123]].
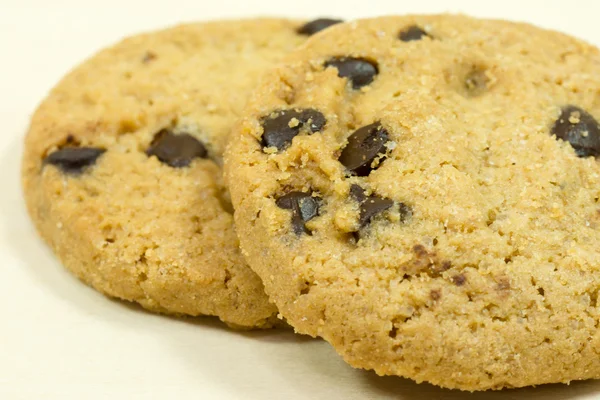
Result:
[[455, 231], [122, 167]]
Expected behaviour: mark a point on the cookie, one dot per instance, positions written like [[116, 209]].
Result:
[[122, 166], [424, 193]]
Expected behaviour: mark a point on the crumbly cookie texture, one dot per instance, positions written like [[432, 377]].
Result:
[[423, 192], [122, 166]]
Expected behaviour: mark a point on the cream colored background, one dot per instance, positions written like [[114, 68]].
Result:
[[61, 340]]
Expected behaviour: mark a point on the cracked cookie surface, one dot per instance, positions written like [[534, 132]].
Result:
[[122, 166], [442, 220]]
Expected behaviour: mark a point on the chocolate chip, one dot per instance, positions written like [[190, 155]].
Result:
[[420, 251], [304, 207], [282, 126], [476, 82], [71, 141], [435, 294], [459, 279], [359, 71], [149, 56], [317, 25], [423, 261], [436, 269], [73, 160], [412, 33], [176, 150], [580, 129], [503, 284], [364, 146], [446, 265], [428, 262]]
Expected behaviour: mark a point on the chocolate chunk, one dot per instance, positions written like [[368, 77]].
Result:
[[372, 206], [176, 150], [580, 129], [359, 71], [405, 212], [369, 205], [412, 33], [317, 25], [364, 146], [281, 127], [358, 193], [73, 160], [304, 207]]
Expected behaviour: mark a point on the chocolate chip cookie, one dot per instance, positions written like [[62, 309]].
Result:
[[424, 193], [122, 166]]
